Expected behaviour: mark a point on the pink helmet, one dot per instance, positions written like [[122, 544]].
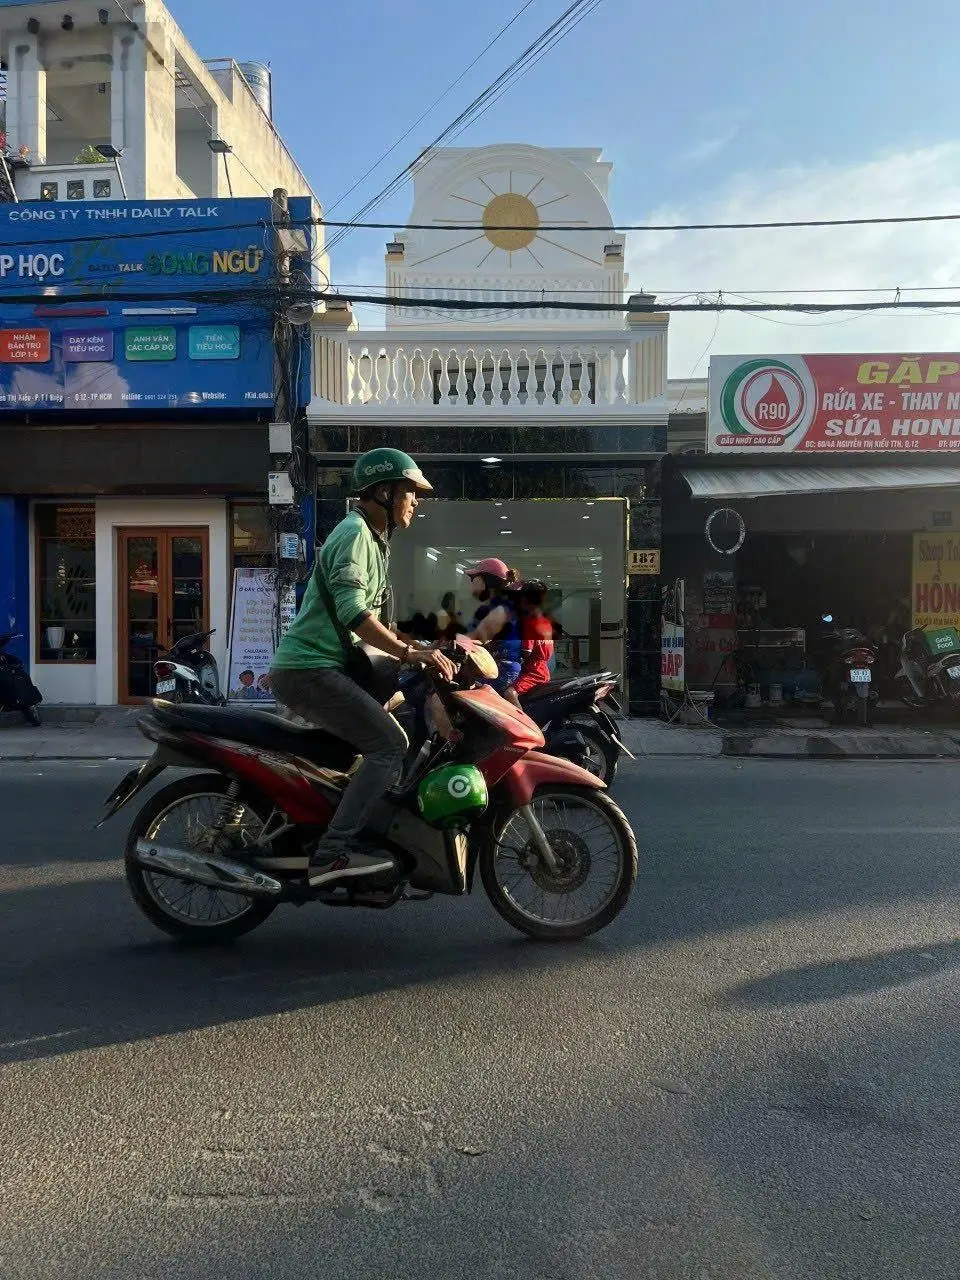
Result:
[[491, 568]]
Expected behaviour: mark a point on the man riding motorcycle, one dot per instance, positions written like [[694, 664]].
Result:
[[309, 671]]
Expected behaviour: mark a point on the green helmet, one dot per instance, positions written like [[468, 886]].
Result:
[[452, 794], [387, 466]]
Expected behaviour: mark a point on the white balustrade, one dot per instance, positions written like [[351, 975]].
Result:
[[408, 374]]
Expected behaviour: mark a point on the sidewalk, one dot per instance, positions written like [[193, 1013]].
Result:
[[110, 733], [815, 740]]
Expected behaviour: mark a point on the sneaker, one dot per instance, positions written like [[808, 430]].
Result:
[[350, 862]]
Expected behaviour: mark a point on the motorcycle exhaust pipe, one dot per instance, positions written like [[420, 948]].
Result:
[[199, 868]]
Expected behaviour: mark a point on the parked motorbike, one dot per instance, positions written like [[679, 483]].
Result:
[[849, 678], [188, 673], [17, 690], [210, 856], [574, 716], [929, 667]]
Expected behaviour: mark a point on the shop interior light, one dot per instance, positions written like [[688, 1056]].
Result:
[[491, 461], [503, 531]]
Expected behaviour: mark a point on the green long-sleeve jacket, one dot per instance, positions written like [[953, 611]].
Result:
[[353, 563]]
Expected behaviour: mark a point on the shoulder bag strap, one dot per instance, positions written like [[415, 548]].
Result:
[[323, 591]]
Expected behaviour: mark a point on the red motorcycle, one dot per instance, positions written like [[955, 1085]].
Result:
[[209, 857]]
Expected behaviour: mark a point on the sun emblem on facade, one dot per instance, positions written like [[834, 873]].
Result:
[[513, 211]]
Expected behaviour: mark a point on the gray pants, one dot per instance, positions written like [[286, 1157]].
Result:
[[330, 700]]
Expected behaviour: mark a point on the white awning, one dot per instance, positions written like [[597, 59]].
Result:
[[769, 482]]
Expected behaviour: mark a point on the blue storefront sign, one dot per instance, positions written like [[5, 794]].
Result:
[[137, 306]]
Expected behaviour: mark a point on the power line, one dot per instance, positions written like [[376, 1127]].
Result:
[[460, 122], [268, 293], [432, 107], [560, 35], [678, 294], [558, 304], [787, 224]]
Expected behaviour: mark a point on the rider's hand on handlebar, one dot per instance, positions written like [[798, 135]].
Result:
[[437, 660]]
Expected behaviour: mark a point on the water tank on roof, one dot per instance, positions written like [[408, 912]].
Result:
[[257, 76]]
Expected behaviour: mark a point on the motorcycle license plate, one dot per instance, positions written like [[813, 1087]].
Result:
[[859, 675], [166, 686], [953, 673]]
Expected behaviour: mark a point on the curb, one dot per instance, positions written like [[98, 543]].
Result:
[[817, 746]]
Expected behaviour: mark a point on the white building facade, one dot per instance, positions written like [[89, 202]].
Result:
[[126, 526], [541, 428]]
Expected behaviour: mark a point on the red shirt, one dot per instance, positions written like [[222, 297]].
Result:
[[536, 650]]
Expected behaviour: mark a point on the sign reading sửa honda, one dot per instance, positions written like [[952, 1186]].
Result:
[[834, 404]]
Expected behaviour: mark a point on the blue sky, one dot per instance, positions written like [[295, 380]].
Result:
[[748, 108]]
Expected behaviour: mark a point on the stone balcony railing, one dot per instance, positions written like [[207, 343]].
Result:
[[472, 375], [68, 182]]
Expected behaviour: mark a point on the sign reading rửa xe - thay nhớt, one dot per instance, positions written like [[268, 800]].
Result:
[[834, 404]]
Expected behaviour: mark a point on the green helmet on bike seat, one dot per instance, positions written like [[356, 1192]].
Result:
[[387, 466]]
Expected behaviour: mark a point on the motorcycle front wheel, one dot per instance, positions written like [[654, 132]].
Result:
[[32, 716], [597, 857], [184, 815]]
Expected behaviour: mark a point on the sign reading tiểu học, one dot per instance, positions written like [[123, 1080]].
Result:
[[936, 580]]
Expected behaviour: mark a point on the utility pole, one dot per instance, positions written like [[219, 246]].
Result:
[[288, 458]]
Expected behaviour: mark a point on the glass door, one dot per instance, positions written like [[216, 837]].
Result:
[[163, 596]]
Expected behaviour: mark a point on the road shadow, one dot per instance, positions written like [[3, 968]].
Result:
[[857, 976], [101, 978]]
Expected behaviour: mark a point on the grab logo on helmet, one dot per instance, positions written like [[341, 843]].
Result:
[[377, 468], [767, 402]]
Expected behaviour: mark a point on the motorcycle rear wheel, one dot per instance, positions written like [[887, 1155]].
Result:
[[508, 851], [603, 756], [182, 916]]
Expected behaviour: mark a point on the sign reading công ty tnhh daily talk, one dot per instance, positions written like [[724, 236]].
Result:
[[137, 306], [834, 404]]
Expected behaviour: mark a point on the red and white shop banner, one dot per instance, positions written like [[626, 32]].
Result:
[[834, 404]]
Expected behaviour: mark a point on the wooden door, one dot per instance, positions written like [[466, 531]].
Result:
[[164, 594]]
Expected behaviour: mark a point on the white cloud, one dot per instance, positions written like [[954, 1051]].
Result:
[[718, 130], [921, 181]]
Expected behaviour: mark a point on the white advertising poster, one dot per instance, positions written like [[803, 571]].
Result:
[[672, 639], [251, 636]]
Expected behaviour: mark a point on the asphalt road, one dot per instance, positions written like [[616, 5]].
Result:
[[752, 1074]]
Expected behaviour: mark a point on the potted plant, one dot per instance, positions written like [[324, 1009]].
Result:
[[56, 633]]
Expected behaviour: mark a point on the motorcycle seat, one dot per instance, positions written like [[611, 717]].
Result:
[[542, 691], [257, 729]]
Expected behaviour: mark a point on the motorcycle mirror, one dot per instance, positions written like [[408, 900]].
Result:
[[826, 617]]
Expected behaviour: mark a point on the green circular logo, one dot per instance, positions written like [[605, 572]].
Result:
[[766, 398]]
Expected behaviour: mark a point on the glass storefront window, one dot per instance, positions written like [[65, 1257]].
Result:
[[252, 541], [577, 547], [66, 598]]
